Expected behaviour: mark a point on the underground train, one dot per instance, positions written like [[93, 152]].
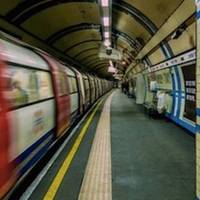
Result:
[[40, 98]]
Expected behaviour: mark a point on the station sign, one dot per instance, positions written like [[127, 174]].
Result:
[[183, 58]]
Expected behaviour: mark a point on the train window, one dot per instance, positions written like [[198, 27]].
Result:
[[44, 81], [86, 84], [92, 84], [74, 84], [26, 86], [62, 84], [70, 85], [22, 91]]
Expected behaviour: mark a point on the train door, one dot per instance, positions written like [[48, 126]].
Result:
[[104, 86], [92, 89], [81, 91], [74, 97], [62, 97], [100, 87], [96, 89], [87, 91]]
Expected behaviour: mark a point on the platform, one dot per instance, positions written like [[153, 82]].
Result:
[[120, 153]]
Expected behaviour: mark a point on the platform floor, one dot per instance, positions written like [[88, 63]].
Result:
[[151, 159], [134, 158]]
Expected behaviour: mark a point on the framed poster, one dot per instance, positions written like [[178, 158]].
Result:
[[189, 74]]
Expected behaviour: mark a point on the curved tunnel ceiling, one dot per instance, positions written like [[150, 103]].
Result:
[[73, 26]]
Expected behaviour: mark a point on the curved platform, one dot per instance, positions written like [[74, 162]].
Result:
[[123, 154]]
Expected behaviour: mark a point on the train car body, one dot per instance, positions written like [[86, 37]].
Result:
[[31, 110], [40, 98]]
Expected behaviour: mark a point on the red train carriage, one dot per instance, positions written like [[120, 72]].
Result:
[[39, 97]]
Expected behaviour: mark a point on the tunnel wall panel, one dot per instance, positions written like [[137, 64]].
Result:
[[186, 41], [156, 57]]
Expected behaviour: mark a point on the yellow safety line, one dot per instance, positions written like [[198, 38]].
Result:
[[65, 166], [97, 181]]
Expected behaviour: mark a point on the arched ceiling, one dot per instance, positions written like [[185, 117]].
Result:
[[73, 26]]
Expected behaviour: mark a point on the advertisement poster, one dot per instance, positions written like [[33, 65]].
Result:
[[190, 91]]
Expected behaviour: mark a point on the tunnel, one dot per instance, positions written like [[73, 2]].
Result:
[[99, 99]]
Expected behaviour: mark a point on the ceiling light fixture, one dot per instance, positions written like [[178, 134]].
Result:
[[106, 21], [105, 3], [123, 62], [106, 34], [111, 63], [107, 43], [111, 69]]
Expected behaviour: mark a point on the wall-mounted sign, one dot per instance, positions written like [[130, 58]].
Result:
[[183, 58], [190, 91]]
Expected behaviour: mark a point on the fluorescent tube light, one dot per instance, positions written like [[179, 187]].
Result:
[[107, 43], [106, 21], [106, 35], [105, 3]]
